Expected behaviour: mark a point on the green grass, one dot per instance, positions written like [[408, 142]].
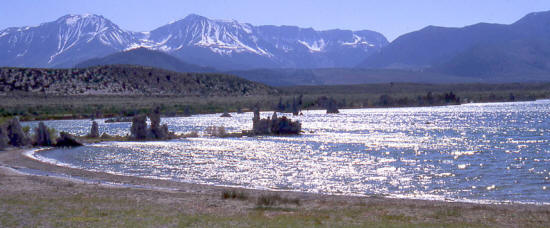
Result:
[[39, 107]]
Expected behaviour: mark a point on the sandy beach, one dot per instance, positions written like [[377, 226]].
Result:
[[52, 201]]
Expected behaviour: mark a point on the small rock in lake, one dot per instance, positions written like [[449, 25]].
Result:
[[94, 131], [332, 107], [225, 114]]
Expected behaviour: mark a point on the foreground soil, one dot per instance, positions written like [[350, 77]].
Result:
[[45, 201]]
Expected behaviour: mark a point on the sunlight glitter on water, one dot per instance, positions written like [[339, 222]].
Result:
[[495, 152]]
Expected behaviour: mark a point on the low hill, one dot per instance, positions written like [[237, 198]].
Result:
[[125, 80], [145, 57], [346, 76]]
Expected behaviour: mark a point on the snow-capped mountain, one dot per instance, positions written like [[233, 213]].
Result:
[[195, 39], [230, 44], [64, 42]]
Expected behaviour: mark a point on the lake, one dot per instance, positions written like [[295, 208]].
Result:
[[487, 153]]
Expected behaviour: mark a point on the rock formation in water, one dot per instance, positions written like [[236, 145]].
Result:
[[154, 130], [67, 140], [17, 137], [286, 126], [157, 131], [332, 107], [165, 134], [42, 136], [138, 131], [260, 126], [225, 114], [274, 125], [94, 131]]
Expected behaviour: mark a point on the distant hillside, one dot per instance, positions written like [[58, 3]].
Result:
[[125, 80], [432, 45], [516, 52], [346, 76], [278, 77], [145, 57], [515, 60]]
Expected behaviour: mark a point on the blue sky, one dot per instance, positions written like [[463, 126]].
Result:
[[391, 18]]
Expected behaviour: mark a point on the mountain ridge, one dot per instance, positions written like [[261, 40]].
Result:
[[487, 51], [194, 39]]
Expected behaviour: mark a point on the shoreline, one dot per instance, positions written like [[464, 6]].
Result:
[[82, 117], [32, 154], [206, 200]]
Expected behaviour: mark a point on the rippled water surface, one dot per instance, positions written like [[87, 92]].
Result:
[[476, 152]]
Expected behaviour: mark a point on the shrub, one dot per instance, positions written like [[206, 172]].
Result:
[[275, 199], [27, 129], [233, 194]]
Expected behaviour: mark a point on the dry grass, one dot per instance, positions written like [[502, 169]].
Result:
[[40, 201], [46, 202]]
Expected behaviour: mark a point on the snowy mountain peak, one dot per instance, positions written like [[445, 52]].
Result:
[[71, 19], [194, 17], [56, 42], [86, 23], [221, 37], [195, 39], [74, 30], [78, 16]]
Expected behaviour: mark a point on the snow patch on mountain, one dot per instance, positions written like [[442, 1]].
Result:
[[316, 46], [22, 53], [71, 20], [357, 41], [23, 29]]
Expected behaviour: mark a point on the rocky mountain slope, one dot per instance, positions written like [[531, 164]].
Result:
[[195, 39], [125, 80], [64, 42]]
